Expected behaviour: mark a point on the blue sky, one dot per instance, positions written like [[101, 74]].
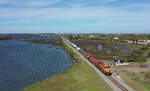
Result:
[[74, 16]]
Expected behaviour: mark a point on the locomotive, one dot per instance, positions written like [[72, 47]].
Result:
[[100, 65]]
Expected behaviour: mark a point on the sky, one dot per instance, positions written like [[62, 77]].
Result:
[[74, 16]]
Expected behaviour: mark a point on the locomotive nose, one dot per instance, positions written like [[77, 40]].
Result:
[[108, 70]]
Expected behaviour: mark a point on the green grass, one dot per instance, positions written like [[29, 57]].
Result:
[[80, 77], [138, 84], [148, 59], [145, 85]]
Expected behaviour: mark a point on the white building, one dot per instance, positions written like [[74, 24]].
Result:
[[116, 38]]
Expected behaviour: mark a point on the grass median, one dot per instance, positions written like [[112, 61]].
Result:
[[79, 77]]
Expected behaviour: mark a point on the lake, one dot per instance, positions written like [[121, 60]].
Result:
[[23, 64]]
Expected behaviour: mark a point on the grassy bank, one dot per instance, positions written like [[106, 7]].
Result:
[[80, 77]]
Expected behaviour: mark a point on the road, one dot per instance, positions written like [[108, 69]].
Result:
[[108, 81]]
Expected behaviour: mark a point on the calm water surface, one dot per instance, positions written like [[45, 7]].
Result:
[[123, 50], [23, 64], [100, 47]]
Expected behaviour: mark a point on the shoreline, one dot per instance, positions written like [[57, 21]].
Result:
[[79, 76], [62, 46]]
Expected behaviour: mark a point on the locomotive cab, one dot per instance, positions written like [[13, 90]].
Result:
[[108, 70]]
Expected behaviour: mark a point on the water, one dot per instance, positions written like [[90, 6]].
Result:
[[123, 50], [107, 50], [29, 37], [126, 50], [117, 47], [23, 64], [114, 56], [100, 46]]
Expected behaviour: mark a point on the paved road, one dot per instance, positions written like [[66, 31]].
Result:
[[110, 83]]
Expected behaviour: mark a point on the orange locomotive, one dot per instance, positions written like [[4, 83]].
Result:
[[100, 65]]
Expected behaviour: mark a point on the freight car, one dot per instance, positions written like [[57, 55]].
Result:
[[100, 65], [78, 48], [74, 45], [83, 52], [89, 56]]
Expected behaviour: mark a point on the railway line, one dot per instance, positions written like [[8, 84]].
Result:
[[117, 83], [113, 83]]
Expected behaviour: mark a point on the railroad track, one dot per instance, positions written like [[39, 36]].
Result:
[[117, 83], [110, 78]]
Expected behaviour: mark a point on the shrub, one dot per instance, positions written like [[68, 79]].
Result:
[[147, 75]]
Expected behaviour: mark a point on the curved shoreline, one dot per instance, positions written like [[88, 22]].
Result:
[[79, 77], [27, 63]]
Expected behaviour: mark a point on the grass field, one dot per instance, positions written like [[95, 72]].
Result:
[[148, 59], [80, 77], [138, 85]]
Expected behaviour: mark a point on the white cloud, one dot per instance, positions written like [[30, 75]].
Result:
[[42, 3], [74, 13], [106, 15], [116, 17], [89, 1], [3, 2], [29, 2], [50, 2]]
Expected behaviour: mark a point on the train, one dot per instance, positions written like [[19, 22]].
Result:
[[100, 65], [106, 69], [74, 46]]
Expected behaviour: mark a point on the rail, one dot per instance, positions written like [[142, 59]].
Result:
[[117, 83], [122, 88]]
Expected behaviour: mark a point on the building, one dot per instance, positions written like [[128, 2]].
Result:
[[116, 38]]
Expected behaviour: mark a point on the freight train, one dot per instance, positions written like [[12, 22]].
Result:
[[100, 65]]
